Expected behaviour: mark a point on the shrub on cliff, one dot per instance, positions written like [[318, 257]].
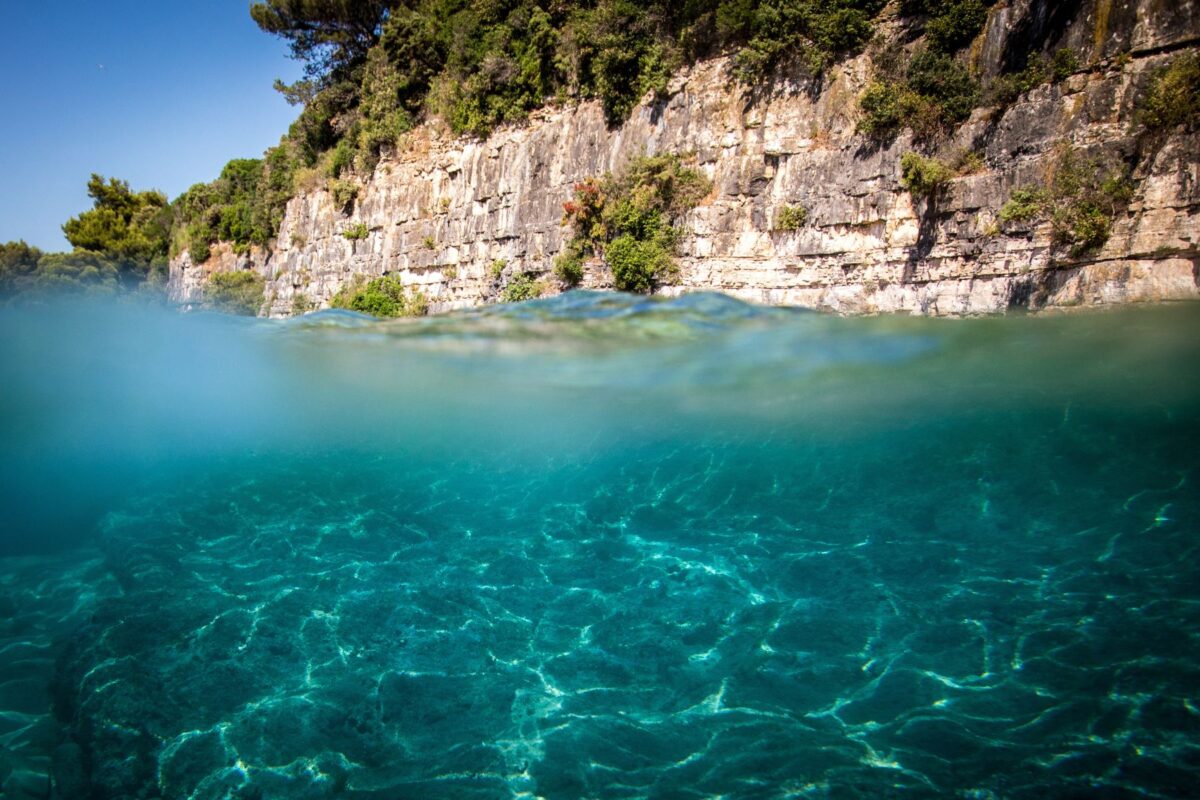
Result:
[[1081, 202], [568, 266], [945, 82], [627, 218], [343, 193], [199, 249], [381, 297], [301, 304], [1024, 205], [639, 265], [790, 218], [883, 107], [357, 231], [523, 286], [953, 24], [923, 177], [1007, 87], [1173, 95], [1086, 194], [235, 292]]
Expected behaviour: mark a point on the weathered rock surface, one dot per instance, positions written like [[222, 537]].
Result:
[[441, 211]]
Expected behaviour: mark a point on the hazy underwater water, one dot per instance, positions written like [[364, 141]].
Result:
[[599, 546]]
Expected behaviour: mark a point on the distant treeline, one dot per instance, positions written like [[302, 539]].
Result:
[[120, 246]]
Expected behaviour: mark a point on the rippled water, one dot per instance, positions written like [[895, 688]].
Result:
[[599, 546]]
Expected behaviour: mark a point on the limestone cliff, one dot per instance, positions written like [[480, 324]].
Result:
[[442, 211]]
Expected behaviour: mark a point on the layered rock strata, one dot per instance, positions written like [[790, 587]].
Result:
[[456, 218]]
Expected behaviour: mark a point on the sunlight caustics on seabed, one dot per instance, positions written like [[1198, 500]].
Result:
[[601, 546]]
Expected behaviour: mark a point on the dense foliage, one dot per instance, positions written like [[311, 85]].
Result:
[[18, 263], [950, 24], [243, 206], [815, 31], [928, 93], [382, 297], [377, 66], [627, 220]]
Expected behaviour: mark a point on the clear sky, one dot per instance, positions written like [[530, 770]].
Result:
[[160, 93]]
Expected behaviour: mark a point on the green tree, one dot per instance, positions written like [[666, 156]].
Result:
[[328, 35], [614, 53], [129, 228]]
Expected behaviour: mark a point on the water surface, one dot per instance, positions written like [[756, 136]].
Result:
[[600, 546]]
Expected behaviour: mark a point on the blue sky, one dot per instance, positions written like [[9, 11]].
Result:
[[160, 93]]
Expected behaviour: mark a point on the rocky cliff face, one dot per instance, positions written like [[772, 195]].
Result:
[[444, 214]]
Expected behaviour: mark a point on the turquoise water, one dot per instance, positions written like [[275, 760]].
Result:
[[600, 546]]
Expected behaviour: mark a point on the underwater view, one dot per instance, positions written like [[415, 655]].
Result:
[[599, 546]]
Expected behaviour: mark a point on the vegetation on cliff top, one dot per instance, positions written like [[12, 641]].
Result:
[[382, 65], [375, 69]]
